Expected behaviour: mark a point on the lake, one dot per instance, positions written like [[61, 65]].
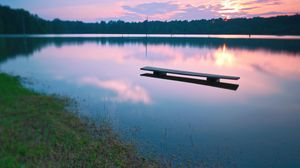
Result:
[[255, 126]]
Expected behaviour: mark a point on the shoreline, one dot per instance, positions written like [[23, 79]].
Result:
[[118, 35], [36, 130]]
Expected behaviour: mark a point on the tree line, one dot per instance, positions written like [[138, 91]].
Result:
[[19, 21]]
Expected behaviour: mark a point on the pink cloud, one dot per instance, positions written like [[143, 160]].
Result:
[[139, 10]]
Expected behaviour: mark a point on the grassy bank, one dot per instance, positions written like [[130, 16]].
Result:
[[37, 131]]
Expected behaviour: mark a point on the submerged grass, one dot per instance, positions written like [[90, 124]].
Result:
[[36, 130]]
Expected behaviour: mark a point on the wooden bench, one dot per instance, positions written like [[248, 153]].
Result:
[[209, 77]]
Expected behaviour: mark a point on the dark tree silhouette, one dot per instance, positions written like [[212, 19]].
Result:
[[19, 21]]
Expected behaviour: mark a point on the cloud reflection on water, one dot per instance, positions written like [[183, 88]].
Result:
[[124, 90]]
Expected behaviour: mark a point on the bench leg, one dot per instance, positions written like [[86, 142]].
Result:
[[159, 73], [213, 80]]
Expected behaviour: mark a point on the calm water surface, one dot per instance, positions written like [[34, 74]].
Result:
[[256, 126]]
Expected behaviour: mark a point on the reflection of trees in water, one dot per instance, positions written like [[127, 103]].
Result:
[[13, 47]]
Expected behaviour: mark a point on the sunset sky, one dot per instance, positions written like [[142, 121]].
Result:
[[139, 10]]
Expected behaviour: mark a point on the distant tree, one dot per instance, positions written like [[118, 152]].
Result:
[[19, 21], [1, 26]]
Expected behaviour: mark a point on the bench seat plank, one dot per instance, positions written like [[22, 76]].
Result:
[[162, 71]]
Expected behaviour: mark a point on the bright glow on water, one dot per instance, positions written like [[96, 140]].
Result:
[[255, 126]]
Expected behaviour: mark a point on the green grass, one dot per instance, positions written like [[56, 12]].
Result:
[[37, 131]]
